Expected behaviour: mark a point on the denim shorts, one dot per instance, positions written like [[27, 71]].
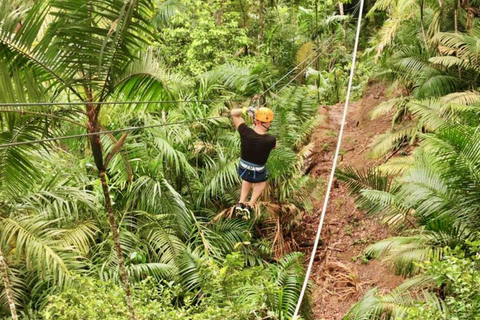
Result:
[[252, 172]]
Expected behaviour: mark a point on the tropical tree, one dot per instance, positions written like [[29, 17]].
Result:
[[7, 286], [106, 37], [46, 224]]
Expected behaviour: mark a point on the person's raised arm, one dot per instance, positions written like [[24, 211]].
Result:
[[237, 117]]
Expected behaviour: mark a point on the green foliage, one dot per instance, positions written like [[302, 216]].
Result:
[[428, 53], [429, 192], [171, 187], [458, 278], [94, 299], [201, 36], [455, 277], [429, 50], [232, 291]]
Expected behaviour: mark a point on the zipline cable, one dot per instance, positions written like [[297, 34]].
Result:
[[294, 78], [78, 103], [334, 166], [14, 144], [288, 73]]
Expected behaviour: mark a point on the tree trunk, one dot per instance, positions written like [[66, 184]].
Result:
[[469, 12], [336, 86], [96, 145], [244, 21], [342, 13], [456, 16], [316, 37], [422, 24], [8, 289], [261, 21], [219, 15], [118, 248]]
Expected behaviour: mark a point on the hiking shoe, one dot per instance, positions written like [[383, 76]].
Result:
[[240, 208], [247, 212]]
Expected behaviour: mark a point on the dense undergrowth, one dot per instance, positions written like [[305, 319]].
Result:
[[429, 53]]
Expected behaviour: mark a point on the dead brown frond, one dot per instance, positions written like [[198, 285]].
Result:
[[276, 222], [226, 213], [342, 281]]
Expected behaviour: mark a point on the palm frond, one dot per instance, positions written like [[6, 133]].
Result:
[[358, 180], [36, 244], [165, 11], [190, 263], [388, 205], [155, 195], [218, 179], [79, 237], [403, 252], [227, 234], [462, 98], [387, 107], [464, 45], [16, 166], [397, 165], [428, 113], [160, 271], [18, 286], [393, 306], [383, 143], [146, 79], [436, 83], [289, 280], [450, 61], [241, 79]]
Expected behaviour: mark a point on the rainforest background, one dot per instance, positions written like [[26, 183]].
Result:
[[138, 225]]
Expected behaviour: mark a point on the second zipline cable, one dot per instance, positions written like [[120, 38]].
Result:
[[14, 144]]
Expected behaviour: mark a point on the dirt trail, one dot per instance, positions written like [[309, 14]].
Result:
[[340, 274]]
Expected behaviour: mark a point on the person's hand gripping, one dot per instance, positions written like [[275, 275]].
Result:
[[252, 111]]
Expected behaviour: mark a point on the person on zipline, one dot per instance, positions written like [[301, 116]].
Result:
[[256, 145]]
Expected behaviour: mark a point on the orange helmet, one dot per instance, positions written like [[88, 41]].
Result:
[[264, 115]]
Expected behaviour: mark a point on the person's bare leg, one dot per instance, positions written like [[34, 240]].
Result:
[[246, 187], [257, 191]]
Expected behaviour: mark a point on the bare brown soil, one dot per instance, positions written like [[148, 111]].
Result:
[[340, 274]]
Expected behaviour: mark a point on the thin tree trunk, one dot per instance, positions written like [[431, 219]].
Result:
[[96, 145], [245, 21], [8, 288], [116, 241], [422, 24], [468, 25], [342, 13], [337, 90], [261, 21], [316, 37], [219, 15], [456, 15]]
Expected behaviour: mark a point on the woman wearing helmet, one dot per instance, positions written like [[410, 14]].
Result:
[[256, 146]]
